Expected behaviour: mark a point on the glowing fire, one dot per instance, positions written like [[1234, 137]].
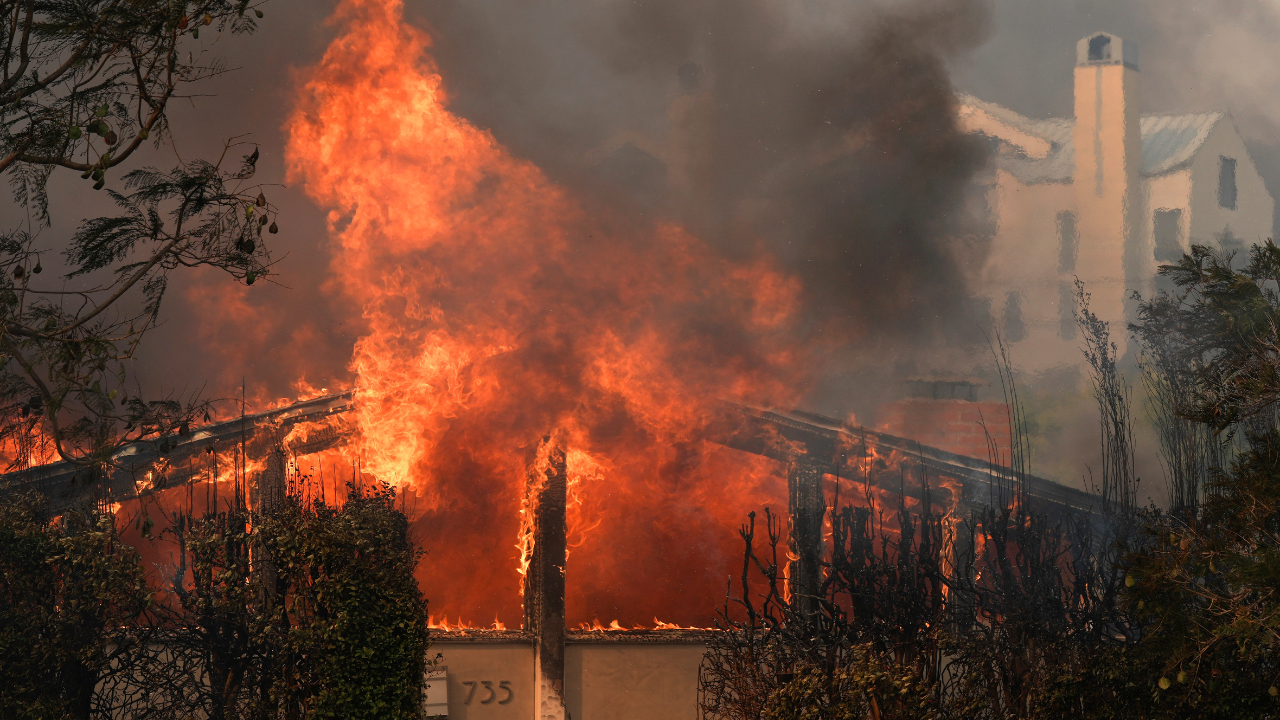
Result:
[[498, 308]]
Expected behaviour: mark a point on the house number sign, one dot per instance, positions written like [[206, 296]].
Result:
[[488, 693]]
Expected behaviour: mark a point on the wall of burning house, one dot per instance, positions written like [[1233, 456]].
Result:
[[623, 676]]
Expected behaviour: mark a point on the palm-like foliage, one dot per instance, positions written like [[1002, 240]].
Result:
[[83, 84]]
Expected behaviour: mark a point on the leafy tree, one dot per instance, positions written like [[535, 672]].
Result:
[[218, 625], [84, 84], [1207, 581], [863, 686], [71, 595], [356, 638], [310, 611]]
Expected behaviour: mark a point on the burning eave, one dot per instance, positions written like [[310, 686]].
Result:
[[838, 447], [834, 447], [66, 484]]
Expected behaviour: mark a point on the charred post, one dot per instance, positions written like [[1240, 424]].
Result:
[[807, 507], [269, 496], [544, 581], [269, 485]]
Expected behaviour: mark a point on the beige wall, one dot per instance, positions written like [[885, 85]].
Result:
[[1171, 191], [494, 663], [603, 680], [625, 681], [1024, 258], [1024, 253]]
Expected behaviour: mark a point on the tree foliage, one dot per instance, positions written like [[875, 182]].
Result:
[[309, 612], [1207, 580], [84, 85], [71, 595], [356, 637]]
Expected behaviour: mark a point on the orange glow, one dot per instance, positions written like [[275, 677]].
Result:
[[498, 308]]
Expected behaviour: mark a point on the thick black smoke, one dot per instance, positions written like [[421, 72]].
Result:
[[822, 134]]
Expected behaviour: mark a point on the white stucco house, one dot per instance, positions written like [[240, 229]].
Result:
[[1106, 196]]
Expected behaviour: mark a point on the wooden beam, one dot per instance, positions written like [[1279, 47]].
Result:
[[807, 508], [544, 581]]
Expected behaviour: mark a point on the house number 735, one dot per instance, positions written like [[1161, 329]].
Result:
[[490, 693]]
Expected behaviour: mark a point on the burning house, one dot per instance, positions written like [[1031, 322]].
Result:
[[575, 404], [551, 667]]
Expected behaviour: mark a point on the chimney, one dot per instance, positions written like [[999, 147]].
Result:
[[1108, 171]]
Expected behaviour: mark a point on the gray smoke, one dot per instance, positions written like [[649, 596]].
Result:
[[716, 114], [818, 133]]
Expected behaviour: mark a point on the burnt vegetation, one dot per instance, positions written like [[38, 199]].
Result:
[[921, 614], [310, 611], [1017, 612]]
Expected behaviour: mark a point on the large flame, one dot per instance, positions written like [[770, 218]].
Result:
[[499, 308]]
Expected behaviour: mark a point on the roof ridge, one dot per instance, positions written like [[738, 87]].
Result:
[[970, 99]]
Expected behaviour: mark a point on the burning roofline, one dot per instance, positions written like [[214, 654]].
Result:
[[64, 483], [830, 444]]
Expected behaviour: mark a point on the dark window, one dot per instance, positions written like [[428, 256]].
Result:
[[1227, 183], [1068, 241], [1066, 311], [1099, 48], [1014, 328], [1167, 228]]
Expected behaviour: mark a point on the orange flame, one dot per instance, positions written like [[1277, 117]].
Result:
[[497, 306]]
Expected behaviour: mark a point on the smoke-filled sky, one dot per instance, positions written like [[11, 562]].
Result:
[[813, 131]]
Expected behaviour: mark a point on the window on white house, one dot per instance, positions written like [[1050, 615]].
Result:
[[1167, 227], [1227, 182], [1068, 241], [1099, 48]]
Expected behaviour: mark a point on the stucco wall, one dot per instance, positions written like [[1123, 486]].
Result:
[[616, 681], [1024, 258], [1170, 191], [1024, 253], [470, 665], [603, 681]]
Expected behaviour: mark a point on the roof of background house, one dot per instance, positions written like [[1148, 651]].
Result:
[[1169, 142]]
